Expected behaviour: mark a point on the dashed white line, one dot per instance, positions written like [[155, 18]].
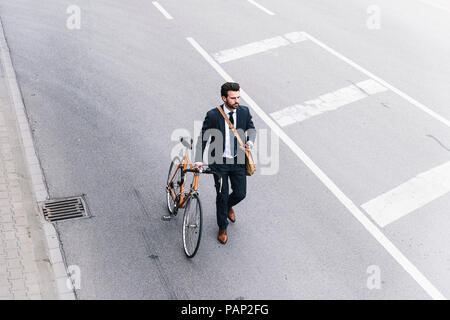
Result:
[[162, 10], [414, 102], [261, 7], [258, 47], [356, 212], [410, 195], [435, 5], [327, 102]]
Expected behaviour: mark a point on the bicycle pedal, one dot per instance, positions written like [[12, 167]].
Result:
[[166, 218]]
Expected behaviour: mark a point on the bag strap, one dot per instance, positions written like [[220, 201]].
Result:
[[231, 125]]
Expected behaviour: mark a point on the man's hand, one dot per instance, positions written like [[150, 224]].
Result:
[[198, 165], [248, 146]]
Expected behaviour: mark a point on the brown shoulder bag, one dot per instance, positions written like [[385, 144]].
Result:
[[250, 167]]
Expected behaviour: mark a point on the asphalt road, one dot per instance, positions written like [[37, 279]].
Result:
[[106, 103]]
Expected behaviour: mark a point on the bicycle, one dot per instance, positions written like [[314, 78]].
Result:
[[177, 199]]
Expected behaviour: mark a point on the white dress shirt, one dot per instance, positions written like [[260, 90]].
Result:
[[228, 153]]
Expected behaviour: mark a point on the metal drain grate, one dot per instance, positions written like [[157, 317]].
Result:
[[63, 209]]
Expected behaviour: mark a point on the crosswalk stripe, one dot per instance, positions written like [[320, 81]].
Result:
[[327, 102], [409, 196], [258, 47], [261, 7]]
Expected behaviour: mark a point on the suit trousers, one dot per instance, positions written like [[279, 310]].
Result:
[[235, 173]]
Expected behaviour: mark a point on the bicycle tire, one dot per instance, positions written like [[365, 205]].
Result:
[[171, 202], [192, 226]]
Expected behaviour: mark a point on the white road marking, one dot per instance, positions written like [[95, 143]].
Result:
[[410, 195], [435, 5], [414, 102], [327, 102], [258, 47], [261, 7], [162, 10], [355, 211]]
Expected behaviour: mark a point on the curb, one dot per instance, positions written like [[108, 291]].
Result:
[[39, 188]]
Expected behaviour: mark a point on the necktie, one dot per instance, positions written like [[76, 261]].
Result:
[[233, 139]]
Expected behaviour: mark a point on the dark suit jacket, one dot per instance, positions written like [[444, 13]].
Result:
[[215, 120]]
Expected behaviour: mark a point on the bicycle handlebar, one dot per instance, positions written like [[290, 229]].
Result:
[[205, 171]]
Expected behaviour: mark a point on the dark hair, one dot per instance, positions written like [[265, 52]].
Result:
[[229, 86]]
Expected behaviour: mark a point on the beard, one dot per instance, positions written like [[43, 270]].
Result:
[[232, 106]]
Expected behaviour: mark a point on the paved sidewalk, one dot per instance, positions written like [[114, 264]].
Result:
[[25, 271]]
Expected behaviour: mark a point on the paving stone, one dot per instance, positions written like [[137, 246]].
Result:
[[4, 283], [5, 218], [21, 221], [30, 268], [17, 205], [19, 213], [67, 296], [3, 269], [16, 197], [29, 260], [31, 278], [4, 210], [7, 156], [15, 190], [20, 295], [22, 238], [7, 226], [10, 166], [9, 235], [4, 290], [21, 230], [15, 274], [33, 289], [12, 254], [25, 244], [13, 263], [12, 176], [25, 250], [11, 244], [17, 285], [4, 148]]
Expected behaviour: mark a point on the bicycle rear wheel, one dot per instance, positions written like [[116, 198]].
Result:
[[192, 226], [174, 185]]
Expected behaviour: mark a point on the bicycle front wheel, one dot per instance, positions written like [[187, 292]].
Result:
[[192, 226]]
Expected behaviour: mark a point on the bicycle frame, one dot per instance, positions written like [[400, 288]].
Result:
[[183, 166]]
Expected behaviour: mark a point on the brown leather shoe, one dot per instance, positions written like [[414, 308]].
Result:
[[231, 215], [222, 236]]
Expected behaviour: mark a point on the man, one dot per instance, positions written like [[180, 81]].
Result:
[[226, 158]]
